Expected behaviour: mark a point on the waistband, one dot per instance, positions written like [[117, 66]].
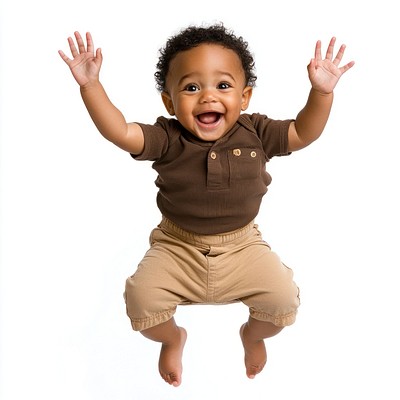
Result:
[[210, 240]]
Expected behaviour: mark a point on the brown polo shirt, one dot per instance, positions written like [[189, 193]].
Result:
[[213, 187]]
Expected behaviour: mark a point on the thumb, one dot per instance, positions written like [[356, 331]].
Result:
[[99, 58], [311, 65], [99, 55]]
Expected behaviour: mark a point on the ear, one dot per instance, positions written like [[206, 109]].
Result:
[[166, 98], [246, 96]]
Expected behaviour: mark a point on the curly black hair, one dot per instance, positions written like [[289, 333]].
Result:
[[193, 36]]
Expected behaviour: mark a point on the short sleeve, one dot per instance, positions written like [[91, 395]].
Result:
[[272, 133], [156, 139]]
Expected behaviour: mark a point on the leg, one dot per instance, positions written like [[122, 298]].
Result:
[[253, 334], [173, 340], [170, 273]]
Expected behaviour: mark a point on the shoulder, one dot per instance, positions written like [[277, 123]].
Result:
[[254, 122], [262, 123], [273, 133], [162, 124], [158, 137]]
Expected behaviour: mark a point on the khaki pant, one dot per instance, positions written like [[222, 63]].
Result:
[[185, 268]]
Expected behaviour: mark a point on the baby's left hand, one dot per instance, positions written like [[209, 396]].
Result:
[[324, 74]]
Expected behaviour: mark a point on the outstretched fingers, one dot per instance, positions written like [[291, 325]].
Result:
[[317, 53], [339, 57], [79, 48], [329, 50], [329, 55], [81, 45], [73, 49], [338, 60], [79, 41], [83, 63], [346, 67], [66, 59], [89, 41], [72, 46]]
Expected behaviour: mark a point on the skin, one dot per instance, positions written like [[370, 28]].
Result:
[[206, 91]]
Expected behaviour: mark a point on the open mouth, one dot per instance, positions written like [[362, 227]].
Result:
[[209, 118]]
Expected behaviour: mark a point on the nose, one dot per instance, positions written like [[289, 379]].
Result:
[[208, 95]]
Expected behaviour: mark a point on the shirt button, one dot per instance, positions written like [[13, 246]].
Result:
[[253, 154], [213, 155], [237, 152]]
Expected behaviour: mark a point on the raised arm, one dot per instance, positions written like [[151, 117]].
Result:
[[85, 67], [324, 74]]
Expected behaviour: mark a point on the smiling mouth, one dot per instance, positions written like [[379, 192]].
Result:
[[209, 118]]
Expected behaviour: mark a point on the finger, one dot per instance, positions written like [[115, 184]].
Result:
[[99, 56], [72, 47], [346, 67], [89, 41], [81, 44], [329, 51], [311, 65], [317, 54], [64, 57], [339, 55]]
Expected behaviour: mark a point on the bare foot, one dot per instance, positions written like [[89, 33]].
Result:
[[255, 354], [170, 363]]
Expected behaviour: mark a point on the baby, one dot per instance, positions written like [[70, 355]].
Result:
[[210, 157]]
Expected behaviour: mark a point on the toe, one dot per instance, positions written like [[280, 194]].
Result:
[[254, 370]]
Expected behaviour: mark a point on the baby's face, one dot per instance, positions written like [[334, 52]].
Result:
[[206, 90]]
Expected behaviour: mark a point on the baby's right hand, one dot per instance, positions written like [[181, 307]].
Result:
[[85, 66]]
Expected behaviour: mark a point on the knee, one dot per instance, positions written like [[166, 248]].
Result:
[[137, 295], [145, 298], [278, 306], [145, 305]]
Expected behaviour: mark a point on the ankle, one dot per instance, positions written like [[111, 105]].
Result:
[[175, 337], [256, 331], [248, 333]]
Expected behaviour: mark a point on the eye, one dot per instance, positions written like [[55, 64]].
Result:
[[224, 85], [191, 87]]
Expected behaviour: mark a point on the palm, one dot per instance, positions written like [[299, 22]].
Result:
[[84, 68], [85, 65], [325, 73]]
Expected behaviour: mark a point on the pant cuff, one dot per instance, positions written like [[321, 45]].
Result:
[[140, 324]]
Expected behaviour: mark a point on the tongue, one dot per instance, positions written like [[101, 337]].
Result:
[[208, 118]]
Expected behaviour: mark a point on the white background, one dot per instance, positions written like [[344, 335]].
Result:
[[76, 211]]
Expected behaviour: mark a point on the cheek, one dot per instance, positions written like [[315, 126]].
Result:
[[235, 103], [184, 108]]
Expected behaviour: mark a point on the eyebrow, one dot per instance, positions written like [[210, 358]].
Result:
[[195, 73]]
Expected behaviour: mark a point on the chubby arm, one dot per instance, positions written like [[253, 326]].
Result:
[[85, 68], [324, 74]]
